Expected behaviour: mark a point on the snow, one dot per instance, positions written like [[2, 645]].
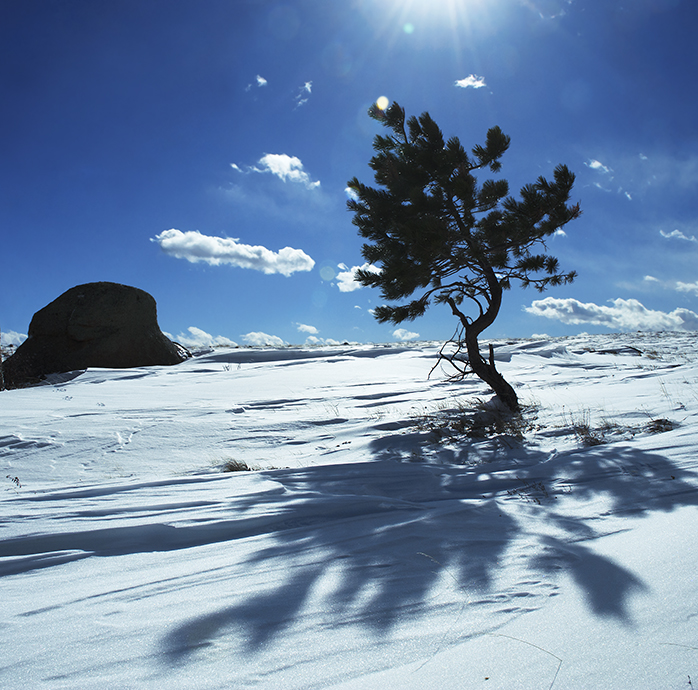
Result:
[[374, 544]]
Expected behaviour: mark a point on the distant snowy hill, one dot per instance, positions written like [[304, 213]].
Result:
[[396, 529]]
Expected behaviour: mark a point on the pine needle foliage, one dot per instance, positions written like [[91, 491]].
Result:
[[438, 235]]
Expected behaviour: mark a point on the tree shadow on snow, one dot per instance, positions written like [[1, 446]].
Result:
[[387, 534]]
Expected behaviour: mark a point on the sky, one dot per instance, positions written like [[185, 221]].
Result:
[[201, 151]]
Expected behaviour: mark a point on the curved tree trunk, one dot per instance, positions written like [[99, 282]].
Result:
[[485, 369]]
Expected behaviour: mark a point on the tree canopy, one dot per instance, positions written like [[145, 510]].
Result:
[[435, 234]]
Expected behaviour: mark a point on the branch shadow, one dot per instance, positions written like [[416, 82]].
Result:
[[396, 528]]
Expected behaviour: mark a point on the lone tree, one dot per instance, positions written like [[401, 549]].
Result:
[[434, 231]]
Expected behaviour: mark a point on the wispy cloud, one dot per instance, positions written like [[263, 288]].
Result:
[[598, 165], [471, 80], [285, 167], [303, 93], [195, 247], [678, 235], [199, 339], [624, 315], [402, 334], [346, 281], [259, 80], [259, 339], [547, 9], [687, 287]]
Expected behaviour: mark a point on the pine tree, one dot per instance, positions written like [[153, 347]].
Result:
[[435, 234]]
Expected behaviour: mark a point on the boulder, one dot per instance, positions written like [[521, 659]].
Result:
[[93, 325]]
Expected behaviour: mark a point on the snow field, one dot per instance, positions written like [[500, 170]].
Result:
[[372, 547]]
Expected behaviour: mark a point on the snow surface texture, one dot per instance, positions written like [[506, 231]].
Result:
[[376, 545]]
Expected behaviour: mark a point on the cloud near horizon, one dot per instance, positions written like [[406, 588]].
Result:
[[624, 315], [259, 339], [198, 338], [8, 338], [403, 334], [195, 247]]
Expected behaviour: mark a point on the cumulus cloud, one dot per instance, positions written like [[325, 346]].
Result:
[[624, 315], [259, 339], [402, 334], [286, 168], [312, 340], [199, 339], [8, 338], [677, 235], [345, 278], [471, 80], [304, 328], [195, 247]]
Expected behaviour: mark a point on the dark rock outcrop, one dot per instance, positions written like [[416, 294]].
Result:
[[93, 325]]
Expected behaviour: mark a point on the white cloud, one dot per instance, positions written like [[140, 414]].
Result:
[[8, 338], [678, 235], [471, 80], [597, 165], [351, 194], [304, 328], [195, 247], [687, 287], [259, 339], [345, 278], [303, 93], [286, 168], [260, 81], [312, 340], [199, 339], [402, 334], [624, 315]]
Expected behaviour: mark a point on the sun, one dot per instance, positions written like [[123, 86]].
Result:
[[419, 17]]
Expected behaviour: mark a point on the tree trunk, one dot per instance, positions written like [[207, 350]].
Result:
[[487, 371]]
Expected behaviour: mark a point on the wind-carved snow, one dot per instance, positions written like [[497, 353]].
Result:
[[374, 546]]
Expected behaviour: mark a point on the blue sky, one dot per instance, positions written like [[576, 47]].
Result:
[[200, 151]]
